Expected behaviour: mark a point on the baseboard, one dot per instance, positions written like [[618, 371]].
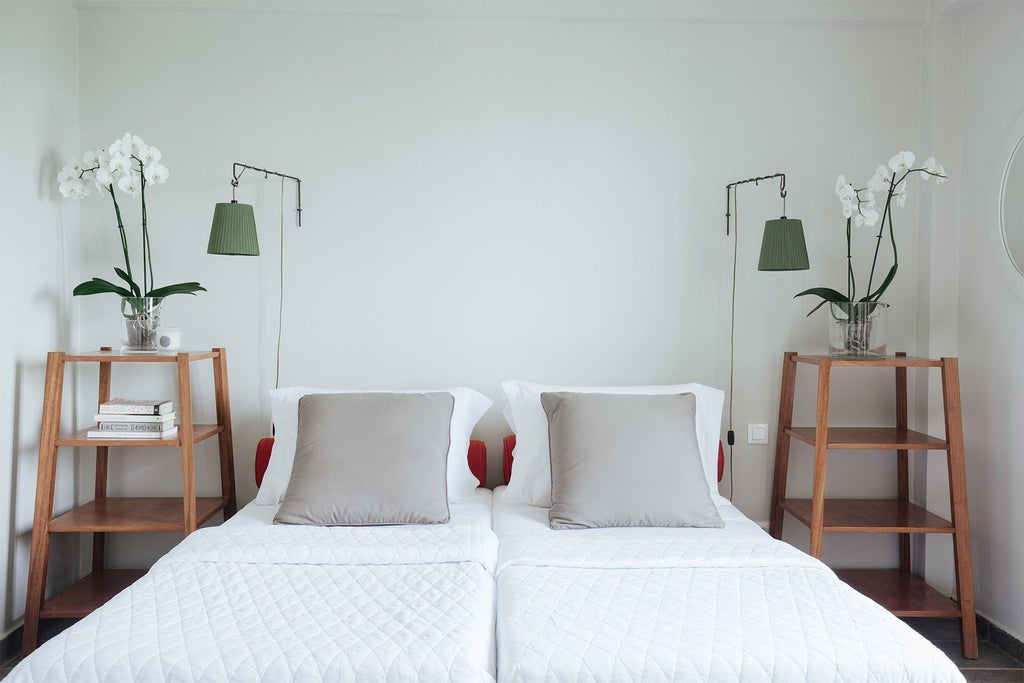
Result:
[[999, 637], [10, 645]]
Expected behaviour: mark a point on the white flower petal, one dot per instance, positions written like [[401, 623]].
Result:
[[866, 197], [901, 161], [119, 164], [151, 156], [869, 217], [840, 184], [65, 189], [157, 173], [129, 184]]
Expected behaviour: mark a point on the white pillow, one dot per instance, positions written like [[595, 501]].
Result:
[[531, 473], [470, 406]]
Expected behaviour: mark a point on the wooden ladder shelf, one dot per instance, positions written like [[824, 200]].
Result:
[[104, 514], [899, 590]]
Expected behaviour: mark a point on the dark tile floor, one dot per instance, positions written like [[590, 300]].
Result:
[[993, 664]]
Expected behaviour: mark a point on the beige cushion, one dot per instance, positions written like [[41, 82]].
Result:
[[626, 460], [367, 459]]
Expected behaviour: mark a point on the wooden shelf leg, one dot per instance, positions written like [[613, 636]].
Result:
[[99, 538], [958, 507], [902, 458], [820, 455], [781, 471], [39, 556], [185, 434], [224, 441]]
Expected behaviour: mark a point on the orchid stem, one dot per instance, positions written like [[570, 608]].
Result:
[[124, 237], [147, 254]]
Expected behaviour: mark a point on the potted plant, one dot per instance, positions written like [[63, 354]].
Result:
[[857, 323], [130, 165]]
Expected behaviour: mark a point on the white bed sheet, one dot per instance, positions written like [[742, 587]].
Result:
[[727, 604], [254, 601]]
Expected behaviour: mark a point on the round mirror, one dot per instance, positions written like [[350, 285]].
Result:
[[1011, 206]]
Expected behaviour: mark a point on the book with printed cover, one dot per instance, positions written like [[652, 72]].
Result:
[[147, 427], [103, 434], [136, 406], [134, 419]]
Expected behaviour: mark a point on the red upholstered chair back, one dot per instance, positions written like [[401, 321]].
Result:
[[477, 457], [509, 442]]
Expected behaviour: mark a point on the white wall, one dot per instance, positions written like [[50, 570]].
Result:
[[38, 260], [990, 324], [537, 197]]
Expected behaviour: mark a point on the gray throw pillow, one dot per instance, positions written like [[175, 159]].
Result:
[[626, 460], [368, 459]]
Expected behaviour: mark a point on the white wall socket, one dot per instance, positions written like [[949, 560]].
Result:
[[757, 434]]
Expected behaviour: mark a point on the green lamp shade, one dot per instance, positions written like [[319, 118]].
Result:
[[233, 231], [783, 247]]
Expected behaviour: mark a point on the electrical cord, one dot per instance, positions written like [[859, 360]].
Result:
[[280, 298]]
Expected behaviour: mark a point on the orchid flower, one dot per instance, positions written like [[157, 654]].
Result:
[[129, 164], [858, 208]]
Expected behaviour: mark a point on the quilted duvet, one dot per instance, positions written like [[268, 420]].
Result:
[[288, 603], [582, 606]]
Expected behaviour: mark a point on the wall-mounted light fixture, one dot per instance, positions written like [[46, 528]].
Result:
[[782, 248], [233, 231]]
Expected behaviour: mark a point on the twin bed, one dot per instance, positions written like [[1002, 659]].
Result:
[[493, 593]]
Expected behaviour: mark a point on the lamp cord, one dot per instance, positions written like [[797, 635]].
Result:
[[280, 298], [732, 342]]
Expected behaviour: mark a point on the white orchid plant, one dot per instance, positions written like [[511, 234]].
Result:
[[858, 207], [130, 165]]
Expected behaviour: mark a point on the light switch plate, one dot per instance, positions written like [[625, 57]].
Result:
[[757, 434]]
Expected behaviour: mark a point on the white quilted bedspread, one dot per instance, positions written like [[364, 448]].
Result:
[[290, 603], [602, 606]]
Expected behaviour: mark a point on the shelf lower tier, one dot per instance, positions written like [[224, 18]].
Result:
[[134, 514], [869, 515], [80, 438], [870, 438], [902, 593], [89, 593]]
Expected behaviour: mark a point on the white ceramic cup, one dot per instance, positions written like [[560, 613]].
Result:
[[169, 338]]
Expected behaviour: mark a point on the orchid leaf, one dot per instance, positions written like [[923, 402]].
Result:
[[180, 288], [100, 286], [827, 295], [131, 283], [885, 285]]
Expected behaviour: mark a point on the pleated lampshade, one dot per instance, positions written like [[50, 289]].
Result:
[[233, 231], [782, 246]]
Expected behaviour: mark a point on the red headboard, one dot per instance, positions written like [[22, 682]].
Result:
[[477, 457], [509, 442]]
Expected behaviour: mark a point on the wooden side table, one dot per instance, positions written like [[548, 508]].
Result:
[[104, 514], [898, 590]]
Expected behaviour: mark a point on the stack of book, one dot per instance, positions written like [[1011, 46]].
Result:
[[125, 418]]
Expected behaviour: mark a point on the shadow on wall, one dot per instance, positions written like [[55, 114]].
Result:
[[12, 515], [47, 326]]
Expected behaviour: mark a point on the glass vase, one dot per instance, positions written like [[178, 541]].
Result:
[[857, 329], [140, 319]]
